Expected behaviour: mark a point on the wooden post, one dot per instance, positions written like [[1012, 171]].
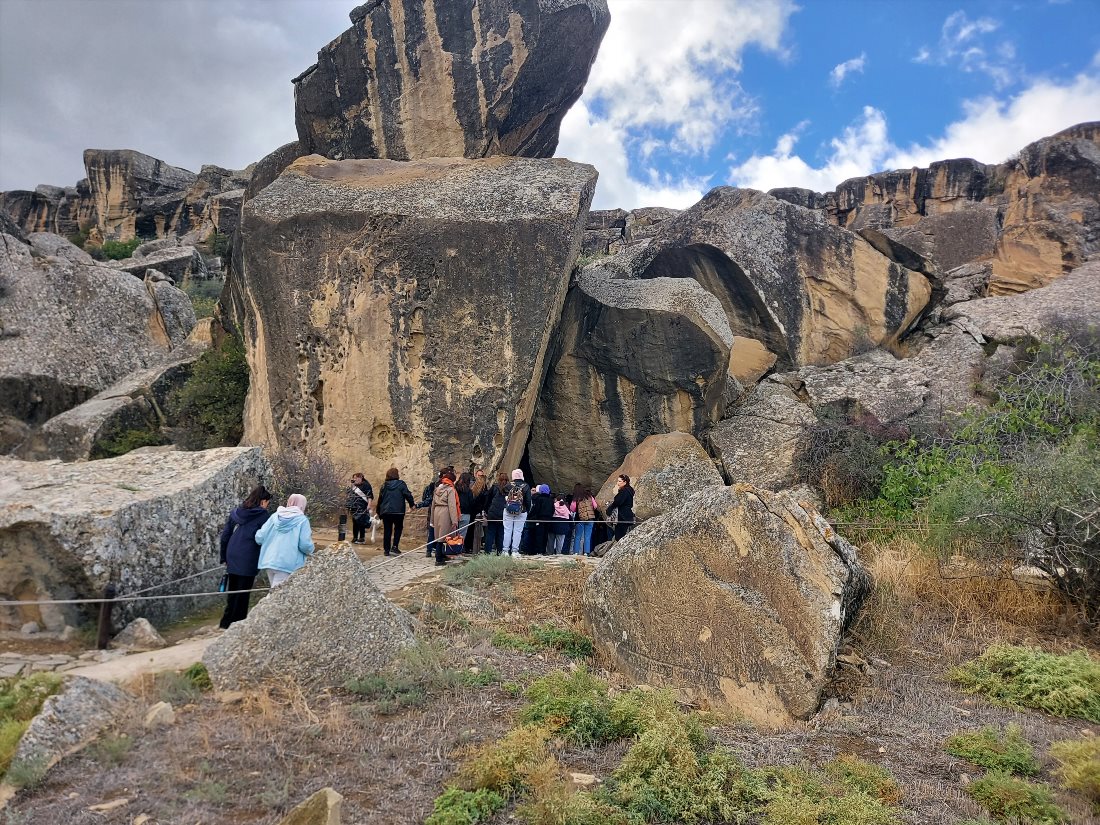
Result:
[[105, 609]]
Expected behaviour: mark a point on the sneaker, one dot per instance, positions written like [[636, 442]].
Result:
[[440, 562], [396, 552], [386, 553]]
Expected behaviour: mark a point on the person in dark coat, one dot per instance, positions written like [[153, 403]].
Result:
[[494, 512], [540, 514], [623, 505], [482, 493], [240, 554], [466, 504], [392, 498], [359, 503], [426, 503]]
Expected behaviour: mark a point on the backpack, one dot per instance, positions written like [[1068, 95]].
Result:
[[513, 499], [584, 509]]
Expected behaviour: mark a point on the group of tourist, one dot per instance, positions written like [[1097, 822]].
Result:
[[466, 514]]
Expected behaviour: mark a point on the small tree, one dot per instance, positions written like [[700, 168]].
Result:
[[311, 472]]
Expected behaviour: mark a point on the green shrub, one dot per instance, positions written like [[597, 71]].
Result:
[[483, 571], [505, 765], [204, 295], [112, 750], [27, 773], [391, 692], [199, 676], [1007, 751], [22, 698], [11, 731], [578, 707], [572, 644], [1020, 677], [120, 250], [219, 243], [127, 441], [511, 641], [209, 407], [1010, 799], [1079, 766], [797, 796], [458, 807]]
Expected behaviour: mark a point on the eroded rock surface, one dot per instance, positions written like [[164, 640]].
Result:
[[399, 313], [414, 79], [326, 624], [630, 359], [665, 470], [737, 598], [67, 530], [70, 329]]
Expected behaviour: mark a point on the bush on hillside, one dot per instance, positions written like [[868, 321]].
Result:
[[209, 407], [311, 472], [120, 250]]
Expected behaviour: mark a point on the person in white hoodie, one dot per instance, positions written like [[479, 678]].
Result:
[[285, 540]]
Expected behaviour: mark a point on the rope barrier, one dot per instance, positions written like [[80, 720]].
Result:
[[17, 603]]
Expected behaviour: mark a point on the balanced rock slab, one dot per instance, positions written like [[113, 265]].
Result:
[[630, 359], [738, 598], [67, 530], [327, 623], [399, 313], [69, 330], [664, 471], [416, 79], [796, 289]]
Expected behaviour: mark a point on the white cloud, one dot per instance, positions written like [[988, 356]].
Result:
[[990, 131], [842, 70], [964, 42], [587, 139], [666, 79]]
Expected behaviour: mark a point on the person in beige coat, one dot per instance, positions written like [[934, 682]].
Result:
[[444, 514]]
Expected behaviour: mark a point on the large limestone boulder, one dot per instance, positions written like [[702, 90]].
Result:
[[69, 330], [737, 598], [399, 313], [180, 263], [137, 402], [46, 244], [55, 209], [71, 719], [67, 530], [630, 359], [134, 193], [327, 623], [796, 289], [665, 470], [415, 79], [760, 439]]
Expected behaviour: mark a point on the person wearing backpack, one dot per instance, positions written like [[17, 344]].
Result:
[[517, 502], [584, 508]]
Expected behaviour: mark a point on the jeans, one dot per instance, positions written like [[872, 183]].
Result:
[[557, 543], [582, 537], [513, 531], [392, 525], [494, 537]]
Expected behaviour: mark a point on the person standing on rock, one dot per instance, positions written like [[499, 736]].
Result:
[[623, 506], [494, 512], [285, 540], [240, 554], [359, 503], [444, 516], [517, 503], [392, 498], [584, 507]]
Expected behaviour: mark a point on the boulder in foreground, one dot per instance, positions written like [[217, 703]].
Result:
[[738, 598], [326, 624]]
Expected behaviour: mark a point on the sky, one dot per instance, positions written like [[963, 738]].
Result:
[[685, 95]]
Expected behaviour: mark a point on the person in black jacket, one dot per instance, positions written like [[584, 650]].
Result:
[[494, 512], [391, 508], [240, 554], [623, 505], [359, 502], [466, 504], [541, 513]]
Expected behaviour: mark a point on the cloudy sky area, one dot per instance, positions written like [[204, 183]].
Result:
[[685, 95]]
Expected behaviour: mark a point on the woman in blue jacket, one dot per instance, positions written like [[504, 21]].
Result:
[[285, 540], [240, 554]]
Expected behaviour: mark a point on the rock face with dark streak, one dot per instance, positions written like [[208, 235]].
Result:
[[414, 79], [399, 313], [738, 598], [629, 359], [796, 290], [1034, 217], [134, 192]]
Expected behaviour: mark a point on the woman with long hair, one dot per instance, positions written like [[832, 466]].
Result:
[[583, 506], [464, 489], [623, 505], [392, 498], [494, 530], [240, 554]]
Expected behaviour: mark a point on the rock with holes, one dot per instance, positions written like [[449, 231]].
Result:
[[69, 330], [415, 79], [137, 521], [796, 290], [326, 624], [400, 313], [738, 598], [72, 718], [664, 471], [630, 359]]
